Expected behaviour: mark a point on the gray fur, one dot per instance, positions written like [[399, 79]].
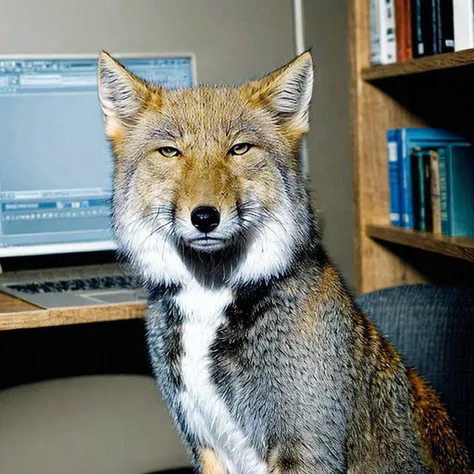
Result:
[[307, 400], [304, 375]]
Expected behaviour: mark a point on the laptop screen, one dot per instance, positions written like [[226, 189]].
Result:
[[55, 163]]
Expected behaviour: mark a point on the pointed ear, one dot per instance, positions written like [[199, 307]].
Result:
[[121, 93], [287, 91]]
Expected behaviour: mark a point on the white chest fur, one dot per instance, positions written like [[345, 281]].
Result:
[[205, 412]]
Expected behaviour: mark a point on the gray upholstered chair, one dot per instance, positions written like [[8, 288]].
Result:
[[433, 328], [111, 424]]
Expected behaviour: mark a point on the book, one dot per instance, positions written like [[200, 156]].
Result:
[[374, 32], [444, 24], [427, 191], [463, 13], [408, 139], [409, 37], [456, 174], [435, 192], [394, 177], [401, 29], [421, 189], [418, 191], [423, 14], [417, 33], [388, 44]]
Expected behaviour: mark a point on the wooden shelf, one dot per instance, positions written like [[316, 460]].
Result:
[[459, 247], [421, 65]]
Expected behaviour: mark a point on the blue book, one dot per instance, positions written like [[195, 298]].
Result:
[[443, 189], [408, 139], [394, 178], [421, 180], [456, 177]]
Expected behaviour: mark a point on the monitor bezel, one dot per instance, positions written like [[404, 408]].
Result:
[[97, 245]]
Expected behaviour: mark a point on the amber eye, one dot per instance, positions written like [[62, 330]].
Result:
[[240, 149], [169, 151]]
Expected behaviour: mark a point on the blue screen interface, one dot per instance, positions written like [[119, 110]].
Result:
[[55, 163]]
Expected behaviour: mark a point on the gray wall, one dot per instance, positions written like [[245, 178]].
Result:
[[233, 39], [329, 140]]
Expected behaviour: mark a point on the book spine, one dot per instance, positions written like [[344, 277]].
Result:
[[405, 168], [407, 20], [432, 27], [393, 177], [460, 174], [400, 29], [418, 190], [435, 193], [423, 27], [388, 44], [427, 192], [463, 13], [443, 191], [417, 32], [374, 32], [444, 26]]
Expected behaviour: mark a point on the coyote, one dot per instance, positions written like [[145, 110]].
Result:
[[265, 361]]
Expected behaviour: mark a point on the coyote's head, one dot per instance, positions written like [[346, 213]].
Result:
[[209, 174]]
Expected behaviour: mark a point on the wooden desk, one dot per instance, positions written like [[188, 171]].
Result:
[[17, 314]]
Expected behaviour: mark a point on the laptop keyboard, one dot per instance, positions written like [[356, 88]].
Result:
[[85, 284]]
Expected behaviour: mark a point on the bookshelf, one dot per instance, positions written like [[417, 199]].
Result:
[[434, 91], [459, 59]]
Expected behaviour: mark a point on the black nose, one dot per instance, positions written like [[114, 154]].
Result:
[[205, 218]]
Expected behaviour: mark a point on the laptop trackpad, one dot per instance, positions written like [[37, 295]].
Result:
[[115, 296]]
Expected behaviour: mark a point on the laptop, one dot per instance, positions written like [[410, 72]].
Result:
[[91, 289], [56, 169]]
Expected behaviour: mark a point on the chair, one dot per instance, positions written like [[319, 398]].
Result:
[[432, 326], [107, 424]]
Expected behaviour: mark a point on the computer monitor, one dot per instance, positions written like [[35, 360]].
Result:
[[55, 163]]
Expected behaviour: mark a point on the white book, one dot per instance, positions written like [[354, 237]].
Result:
[[388, 43], [463, 12], [374, 32]]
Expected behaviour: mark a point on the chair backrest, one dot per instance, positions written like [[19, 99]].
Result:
[[432, 326], [95, 425]]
